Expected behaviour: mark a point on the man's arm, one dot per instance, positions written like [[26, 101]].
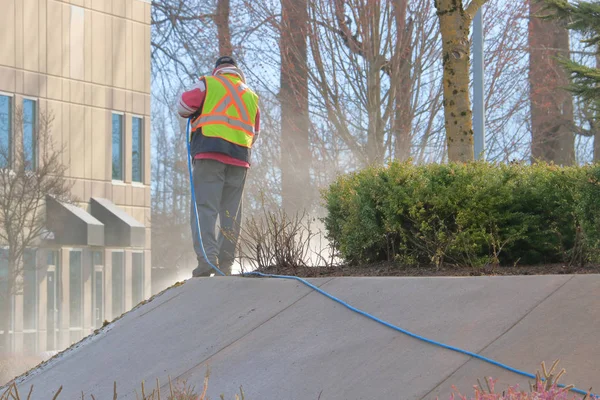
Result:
[[192, 100], [256, 126]]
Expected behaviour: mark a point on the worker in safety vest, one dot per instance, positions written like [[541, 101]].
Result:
[[224, 125]]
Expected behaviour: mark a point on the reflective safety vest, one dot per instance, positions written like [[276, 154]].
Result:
[[228, 113]]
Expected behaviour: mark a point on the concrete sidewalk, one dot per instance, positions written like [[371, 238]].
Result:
[[280, 340]]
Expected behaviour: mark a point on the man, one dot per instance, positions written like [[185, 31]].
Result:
[[225, 121]]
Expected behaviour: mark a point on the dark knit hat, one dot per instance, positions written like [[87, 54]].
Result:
[[225, 60]]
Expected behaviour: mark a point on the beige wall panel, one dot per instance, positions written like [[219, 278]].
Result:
[[138, 103], [100, 5], [7, 33], [31, 84], [147, 13], [138, 214], [147, 217], [54, 38], [79, 3], [118, 194], [147, 197], [65, 142], [19, 40], [119, 54], [99, 137], [98, 55], [89, 49], [87, 137], [78, 190], [43, 85], [147, 105], [54, 88], [128, 195], [42, 32], [88, 3], [19, 81], [77, 135], [128, 101], [119, 100], [109, 190], [138, 11], [87, 94], [108, 287], [139, 194], [98, 189], [118, 7], [78, 28], [138, 56], [7, 79], [147, 63], [31, 35], [128, 9], [66, 91], [66, 40], [87, 190], [129, 53], [128, 276], [108, 50], [77, 92], [98, 96]]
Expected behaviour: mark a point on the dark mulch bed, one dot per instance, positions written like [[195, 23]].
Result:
[[393, 269]]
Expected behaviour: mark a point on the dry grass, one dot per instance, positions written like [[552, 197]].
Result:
[[15, 365], [181, 390]]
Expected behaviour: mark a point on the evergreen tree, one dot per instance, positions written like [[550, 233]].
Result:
[[582, 17]]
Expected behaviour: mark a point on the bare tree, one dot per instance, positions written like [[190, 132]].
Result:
[[553, 138], [295, 151], [31, 169]]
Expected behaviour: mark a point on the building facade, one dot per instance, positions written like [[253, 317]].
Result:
[[86, 63]]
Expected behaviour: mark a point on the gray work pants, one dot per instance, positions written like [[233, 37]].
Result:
[[219, 188]]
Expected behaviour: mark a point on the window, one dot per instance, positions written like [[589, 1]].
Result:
[[118, 283], [117, 147], [75, 289], [137, 278], [137, 158], [30, 134], [5, 131]]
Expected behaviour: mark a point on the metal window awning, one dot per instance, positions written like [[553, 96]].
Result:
[[71, 225], [120, 228]]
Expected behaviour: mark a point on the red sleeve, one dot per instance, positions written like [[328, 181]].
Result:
[[257, 122], [192, 100]]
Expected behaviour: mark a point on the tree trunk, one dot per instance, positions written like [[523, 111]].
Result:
[[295, 150], [402, 113], [595, 124], [454, 27], [553, 140], [222, 22]]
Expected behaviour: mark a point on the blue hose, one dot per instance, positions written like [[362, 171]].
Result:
[[350, 307]]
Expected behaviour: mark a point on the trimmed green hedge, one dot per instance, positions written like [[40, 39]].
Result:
[[466, 214]]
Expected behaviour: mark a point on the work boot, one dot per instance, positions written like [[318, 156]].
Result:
[[203, 269]]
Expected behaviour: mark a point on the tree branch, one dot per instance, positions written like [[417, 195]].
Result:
[[473, 7]]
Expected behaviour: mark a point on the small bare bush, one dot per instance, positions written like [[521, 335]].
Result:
[[277, 240]]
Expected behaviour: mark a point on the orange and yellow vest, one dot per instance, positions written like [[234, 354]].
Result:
[[226, 123]]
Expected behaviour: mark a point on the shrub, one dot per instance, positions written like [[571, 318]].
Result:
[[472, 214]]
